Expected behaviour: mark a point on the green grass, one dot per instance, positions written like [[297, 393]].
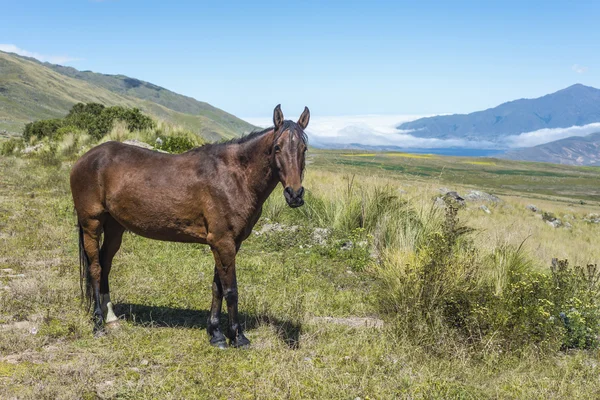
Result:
[[500, 176], [162, 293]]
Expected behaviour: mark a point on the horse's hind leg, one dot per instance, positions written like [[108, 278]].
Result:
[[92, 229], [113, 235]]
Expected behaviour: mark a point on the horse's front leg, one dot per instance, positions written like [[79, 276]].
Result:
[[217, 338], [224, 252]]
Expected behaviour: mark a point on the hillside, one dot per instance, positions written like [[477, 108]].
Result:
[[574, 150], [31, 90], [575, 105]]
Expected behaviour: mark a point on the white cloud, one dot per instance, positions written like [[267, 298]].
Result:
[[11, 48], [380, 130], [372, 130], [542, 136], [580, 69]]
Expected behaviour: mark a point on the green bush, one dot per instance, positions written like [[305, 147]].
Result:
[[445, 290], [175, 144], [42, 129], [93, 118], [9, 147]]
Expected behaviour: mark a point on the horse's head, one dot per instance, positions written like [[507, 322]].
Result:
[[289, 148]]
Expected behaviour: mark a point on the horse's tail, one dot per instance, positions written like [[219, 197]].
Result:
[[84, 273]]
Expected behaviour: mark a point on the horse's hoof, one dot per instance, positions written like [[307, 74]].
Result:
[[240, 342], [218, 340], [219, 345]]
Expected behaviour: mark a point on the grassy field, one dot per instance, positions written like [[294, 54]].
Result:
[[312, 308]]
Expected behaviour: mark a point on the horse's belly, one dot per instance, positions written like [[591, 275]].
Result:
[[161, 224]]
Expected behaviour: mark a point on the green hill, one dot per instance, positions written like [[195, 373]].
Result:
[[31, 90]]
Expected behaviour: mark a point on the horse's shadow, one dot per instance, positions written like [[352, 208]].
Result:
[[158, 316]]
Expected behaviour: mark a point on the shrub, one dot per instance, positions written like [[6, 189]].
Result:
[[175, 144], [445, 289], [11, 146], [42, 129]]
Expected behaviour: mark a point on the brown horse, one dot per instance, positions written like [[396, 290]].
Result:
[[212, 195]]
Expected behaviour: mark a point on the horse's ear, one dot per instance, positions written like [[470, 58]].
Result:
[[304, 118], [277, 117]]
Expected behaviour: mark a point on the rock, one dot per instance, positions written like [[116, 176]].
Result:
[[485, 209], [592, 218], [455, 196], [401, 191], [476, 195], [556, 223], [159, 142], [320, 236], [439, 202], [7, 270], [531, 207], [32, 149], [276, 227], [567, 225], [135, 142]]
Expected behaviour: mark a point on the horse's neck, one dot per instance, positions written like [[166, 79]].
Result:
[[261, 177]]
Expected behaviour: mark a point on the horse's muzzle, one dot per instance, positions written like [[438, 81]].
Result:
[[293, 198]]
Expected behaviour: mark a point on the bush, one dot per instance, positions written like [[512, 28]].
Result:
[[446, 290], [11, 146], [175, 144], [42, 129], [93, 118]]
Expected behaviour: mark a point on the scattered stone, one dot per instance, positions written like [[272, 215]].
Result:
[[476, 195], [568, 216], [556, 223], [135, 142], [32, 149], [7, 270], [144, 362], [592, 218], [320, 236], [439, 202], [485, 209], [455, 196], [159, 142], [567, 225], [15, 276], [401, 191], [533, 208]]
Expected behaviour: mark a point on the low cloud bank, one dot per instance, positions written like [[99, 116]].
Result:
[[380, 130], [542, 136]]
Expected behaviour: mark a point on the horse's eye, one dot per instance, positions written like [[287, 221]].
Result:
[[277, 148]]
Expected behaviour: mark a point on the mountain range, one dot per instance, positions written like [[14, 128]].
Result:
[[31, 90], [575, 150], [576, 105]]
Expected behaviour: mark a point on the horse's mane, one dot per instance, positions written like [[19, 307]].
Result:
[[257, 133]]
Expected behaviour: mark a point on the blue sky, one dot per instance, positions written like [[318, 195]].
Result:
[[339, 58]]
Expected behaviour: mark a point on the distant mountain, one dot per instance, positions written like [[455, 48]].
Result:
[[575, 105], [31, 90], [576, 150]]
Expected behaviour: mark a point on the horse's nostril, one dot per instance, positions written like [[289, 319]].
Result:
[[289, 191], [301, 191]]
